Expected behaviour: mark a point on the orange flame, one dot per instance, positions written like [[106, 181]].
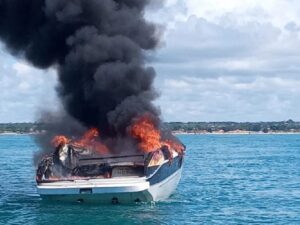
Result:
[[143, 129], [88, 140], [145, 132], [178, 147], [59, 140], [149, 137]]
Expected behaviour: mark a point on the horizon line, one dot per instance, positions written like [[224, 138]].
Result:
[[276, 121]]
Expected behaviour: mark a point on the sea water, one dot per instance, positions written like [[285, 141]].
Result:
[[227, 179]]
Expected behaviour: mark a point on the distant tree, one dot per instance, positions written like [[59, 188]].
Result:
[[266, 130]]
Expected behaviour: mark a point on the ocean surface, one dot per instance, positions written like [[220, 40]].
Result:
[[227, 179]]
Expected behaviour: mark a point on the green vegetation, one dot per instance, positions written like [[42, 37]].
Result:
[[265, 127], [20, 128], [190, 127]]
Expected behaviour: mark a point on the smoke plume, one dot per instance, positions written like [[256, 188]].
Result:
[[98, 48]]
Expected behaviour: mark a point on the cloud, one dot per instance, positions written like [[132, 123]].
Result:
[[24, 90], [22, 68], [238, 61], [228, 98]]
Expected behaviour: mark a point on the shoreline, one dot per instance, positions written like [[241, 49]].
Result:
[[235, 133], [182, 133], [17, 134]]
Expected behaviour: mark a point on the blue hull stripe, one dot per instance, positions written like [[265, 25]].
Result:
[[164, 171]]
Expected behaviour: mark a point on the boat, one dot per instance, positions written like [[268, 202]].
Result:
[[76, 175]]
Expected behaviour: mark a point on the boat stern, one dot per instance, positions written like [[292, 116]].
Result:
[[115, 190]]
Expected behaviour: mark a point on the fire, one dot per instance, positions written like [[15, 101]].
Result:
[[179, 148], [59, 140], [145, 132], [88, 140], [149, 137]]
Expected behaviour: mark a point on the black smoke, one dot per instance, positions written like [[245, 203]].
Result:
[[98, 49]]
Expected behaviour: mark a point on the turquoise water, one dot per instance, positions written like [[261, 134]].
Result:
[[228, 179]]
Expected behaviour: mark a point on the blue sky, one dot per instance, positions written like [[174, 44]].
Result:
[[219, 60]]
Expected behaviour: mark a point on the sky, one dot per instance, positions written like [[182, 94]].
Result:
[[218, 60]]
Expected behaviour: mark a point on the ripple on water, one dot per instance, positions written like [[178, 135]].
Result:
[[227, 179]]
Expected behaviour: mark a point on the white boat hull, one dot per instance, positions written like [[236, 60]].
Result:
[[114, 190]]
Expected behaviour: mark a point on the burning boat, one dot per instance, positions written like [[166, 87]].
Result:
[[99, 50], [86, 171]]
